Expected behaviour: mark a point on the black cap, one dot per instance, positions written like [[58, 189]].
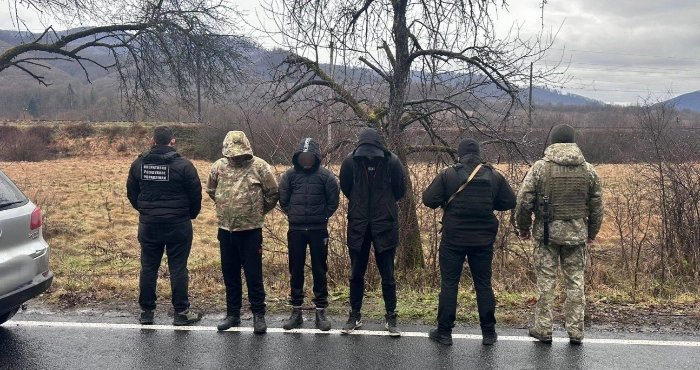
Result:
[[562, 134], [468, 146]]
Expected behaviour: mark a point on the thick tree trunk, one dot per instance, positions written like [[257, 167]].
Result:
[[410, 253]]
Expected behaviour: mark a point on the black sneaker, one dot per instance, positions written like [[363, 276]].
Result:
[[229, 322], [354, 322], [322, 322], [489, 339], [544, 338], [186, 317], [259, 325], [435, 335], [146, 317], [391, 324], [295, 320]]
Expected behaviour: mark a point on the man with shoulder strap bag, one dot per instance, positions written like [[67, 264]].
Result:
[[469, 193]]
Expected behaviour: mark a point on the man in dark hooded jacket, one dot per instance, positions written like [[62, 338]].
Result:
[[469, 230], [166, 190], [373, 180], [309, 195]]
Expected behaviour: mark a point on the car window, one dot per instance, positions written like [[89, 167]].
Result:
[[9, 193]]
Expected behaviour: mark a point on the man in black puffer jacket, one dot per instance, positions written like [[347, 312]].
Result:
[[469, 230], [166, 190], [373, 180], [309, 195]]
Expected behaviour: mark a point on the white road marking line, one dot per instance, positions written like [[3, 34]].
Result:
[[96, 325]]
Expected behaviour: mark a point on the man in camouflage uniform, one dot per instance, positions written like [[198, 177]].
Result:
[[244, 189], [565, 194]]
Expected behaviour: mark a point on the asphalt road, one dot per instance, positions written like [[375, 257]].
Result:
[[119, 343]]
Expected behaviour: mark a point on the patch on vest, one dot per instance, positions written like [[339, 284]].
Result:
[[155, 172]]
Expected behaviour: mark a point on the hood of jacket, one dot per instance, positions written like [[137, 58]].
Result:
[[236, 145], [370, 140], [564, 154], [307, 145]]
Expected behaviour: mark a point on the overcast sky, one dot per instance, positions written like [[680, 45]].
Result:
[[619, 50]]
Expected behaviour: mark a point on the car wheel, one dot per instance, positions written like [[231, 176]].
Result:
[[8, 315]]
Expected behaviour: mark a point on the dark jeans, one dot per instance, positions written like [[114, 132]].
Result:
[[317, 240], [242, 249], [385, 265], [451, 264], [176, 240]]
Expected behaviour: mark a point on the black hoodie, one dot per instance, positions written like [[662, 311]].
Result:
[[164, 187], [372, 189], [308, 197]]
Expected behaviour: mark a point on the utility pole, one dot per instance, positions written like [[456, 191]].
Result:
[[529, 105]]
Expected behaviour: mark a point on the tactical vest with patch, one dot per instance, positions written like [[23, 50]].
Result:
[[476, 200], [567, 188]]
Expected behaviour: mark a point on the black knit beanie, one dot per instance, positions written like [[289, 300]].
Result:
[[468, 146], [562, 134]]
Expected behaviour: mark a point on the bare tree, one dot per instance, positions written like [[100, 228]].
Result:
[[182, 49], [412, 69]]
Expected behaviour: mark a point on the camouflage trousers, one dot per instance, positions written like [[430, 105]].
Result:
[[547, 260]]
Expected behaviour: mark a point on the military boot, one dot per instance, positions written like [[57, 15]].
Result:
[[229, 322], [322, 322], [295, 320], [391, 324], [259, 325]]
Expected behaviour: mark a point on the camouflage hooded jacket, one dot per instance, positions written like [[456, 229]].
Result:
[[243, 186], [563, 232]]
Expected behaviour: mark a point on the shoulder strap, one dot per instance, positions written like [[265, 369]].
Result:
[[464, 185]]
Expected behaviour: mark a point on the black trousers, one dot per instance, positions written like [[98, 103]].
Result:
[[385, 265], [451, 265], [176, 241], [242, 249], [317, 240]]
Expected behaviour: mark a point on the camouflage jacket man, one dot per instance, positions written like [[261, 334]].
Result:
[[243, 186], [561, 157]]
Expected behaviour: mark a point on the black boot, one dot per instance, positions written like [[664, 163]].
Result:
[[391, 324], [259, 325], [445, 339], [322, 322], [229, 322], [295, 320]]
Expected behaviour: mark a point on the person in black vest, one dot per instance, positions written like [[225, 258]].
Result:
[[166, 190], [469, 230], [373, 180], [309, 195]]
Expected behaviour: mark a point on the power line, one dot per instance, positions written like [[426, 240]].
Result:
[[626, 54]]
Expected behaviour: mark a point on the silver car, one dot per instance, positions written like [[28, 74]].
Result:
[[24, 254]]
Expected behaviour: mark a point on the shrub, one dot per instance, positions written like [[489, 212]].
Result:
[[137, 131], [80, 130], [113, 132], [20, 146], [43, 133]]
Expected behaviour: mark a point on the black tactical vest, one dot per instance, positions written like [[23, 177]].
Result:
[[476, 200]]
